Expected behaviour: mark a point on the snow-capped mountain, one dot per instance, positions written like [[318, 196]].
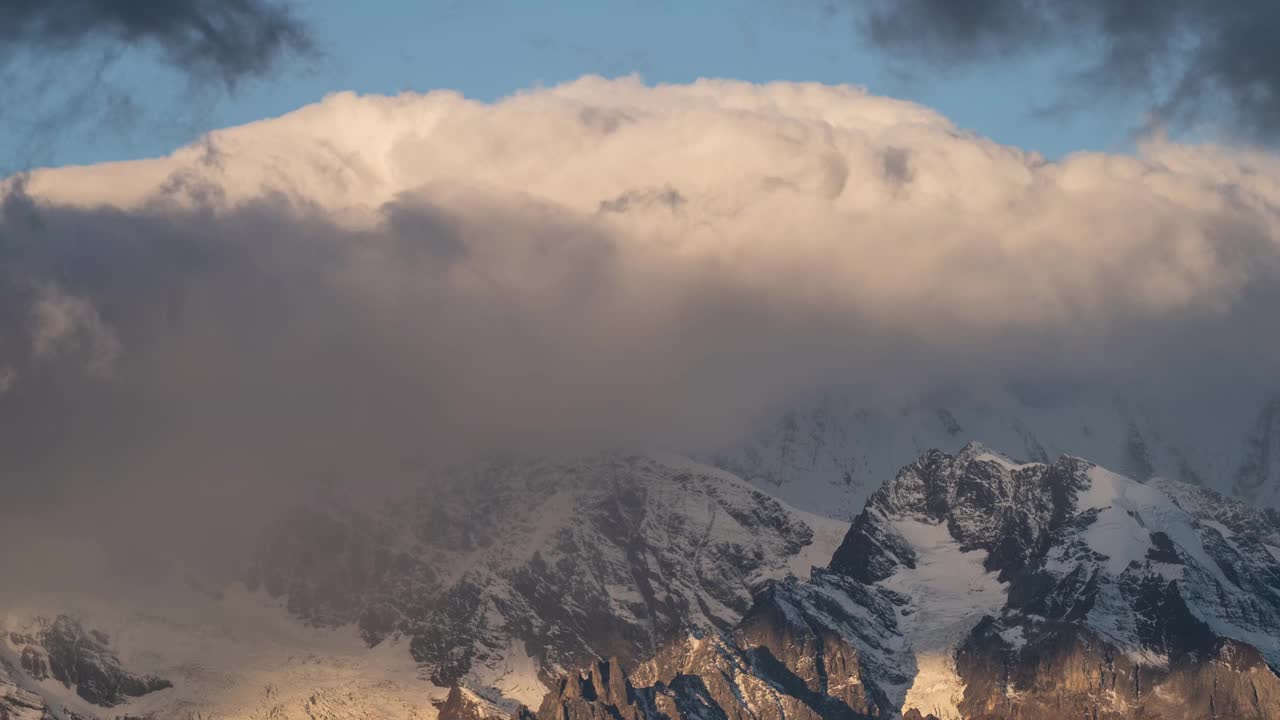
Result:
[[60, 652], [969, 586], [509, 572], [830, 453], [973, 586], [491, 579]]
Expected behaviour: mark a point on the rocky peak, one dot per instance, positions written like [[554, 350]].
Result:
[[987, 501], [603, 691], [80, 659], [17, 703], [462, 704], [975, 586], [560, 562]]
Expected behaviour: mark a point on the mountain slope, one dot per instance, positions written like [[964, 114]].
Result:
[[494, 576], [970, 585], [55, 668], [975, 586], [506, 573]]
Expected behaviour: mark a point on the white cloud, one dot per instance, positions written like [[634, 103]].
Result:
[[611, 262], [853, 201]]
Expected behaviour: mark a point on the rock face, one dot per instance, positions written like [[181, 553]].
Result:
[[969, 586], [973, 586], [19, 704], [508, 573], [61, 650], [1069, 672], [462, 704], [714, 678], [1157, 600]]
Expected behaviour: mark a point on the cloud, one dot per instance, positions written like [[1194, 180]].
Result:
[[371, 279], [66, 324], [98, 68], [226, 40], [1192, 60]]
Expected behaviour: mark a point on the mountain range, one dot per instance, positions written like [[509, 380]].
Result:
[[969, 585]]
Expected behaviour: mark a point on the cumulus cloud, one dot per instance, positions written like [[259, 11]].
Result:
[[1192, 60], [376, 278]]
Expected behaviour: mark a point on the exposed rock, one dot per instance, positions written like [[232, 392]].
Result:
[[1069, 672], [1106, 599], [80, 659], [17, 703], [720, 683], [564, 561], [462, 704], [970, 586], [987, 502]]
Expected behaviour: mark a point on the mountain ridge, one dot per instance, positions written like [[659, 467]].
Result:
[[1083, 615], [970, 585]]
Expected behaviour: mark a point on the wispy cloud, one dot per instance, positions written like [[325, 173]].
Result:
[[1191, 61], [60, 64], [225, 40]]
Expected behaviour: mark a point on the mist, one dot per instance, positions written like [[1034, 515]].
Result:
[[374, 281]]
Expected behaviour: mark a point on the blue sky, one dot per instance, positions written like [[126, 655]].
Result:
[[490, 48]]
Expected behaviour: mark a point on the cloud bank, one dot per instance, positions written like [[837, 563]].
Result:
[[1191, 60], [371, 280]]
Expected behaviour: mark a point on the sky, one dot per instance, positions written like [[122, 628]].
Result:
[[488, 49]]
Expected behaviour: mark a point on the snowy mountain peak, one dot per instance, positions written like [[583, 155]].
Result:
[[502, 575], [971, 585], [985, 500], [57, 666], [975, 586]]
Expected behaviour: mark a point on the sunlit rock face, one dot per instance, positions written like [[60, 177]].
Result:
[[974, 586]]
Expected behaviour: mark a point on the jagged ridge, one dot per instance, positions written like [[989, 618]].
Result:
[[1107, 598]]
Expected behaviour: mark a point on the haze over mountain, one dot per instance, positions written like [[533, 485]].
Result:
[[971, 585], [393, 399], [604, 263], [554, 392]]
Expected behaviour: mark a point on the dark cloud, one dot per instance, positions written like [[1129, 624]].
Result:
[[229, 40], [69, 68], [897, 165], [1191, 60]]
